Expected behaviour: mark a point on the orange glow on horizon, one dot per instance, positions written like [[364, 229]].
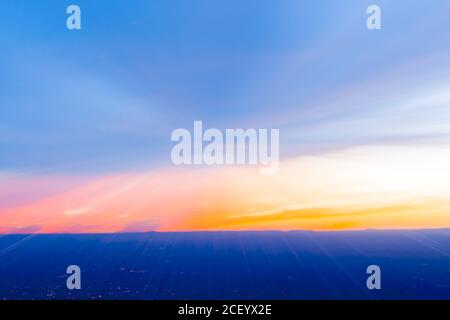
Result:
[[382, 187]]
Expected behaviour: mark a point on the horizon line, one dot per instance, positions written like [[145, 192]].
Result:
[[234, 231]]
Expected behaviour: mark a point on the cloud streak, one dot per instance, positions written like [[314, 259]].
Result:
[[386, 186]]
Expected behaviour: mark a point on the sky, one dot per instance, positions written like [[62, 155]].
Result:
[[86, 115]]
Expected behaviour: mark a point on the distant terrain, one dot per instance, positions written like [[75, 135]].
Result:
[[227, 265]]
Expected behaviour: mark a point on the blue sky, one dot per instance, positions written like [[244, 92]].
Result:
[[107, 97]]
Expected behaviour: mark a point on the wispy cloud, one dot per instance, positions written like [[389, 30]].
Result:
[[386, 186]]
